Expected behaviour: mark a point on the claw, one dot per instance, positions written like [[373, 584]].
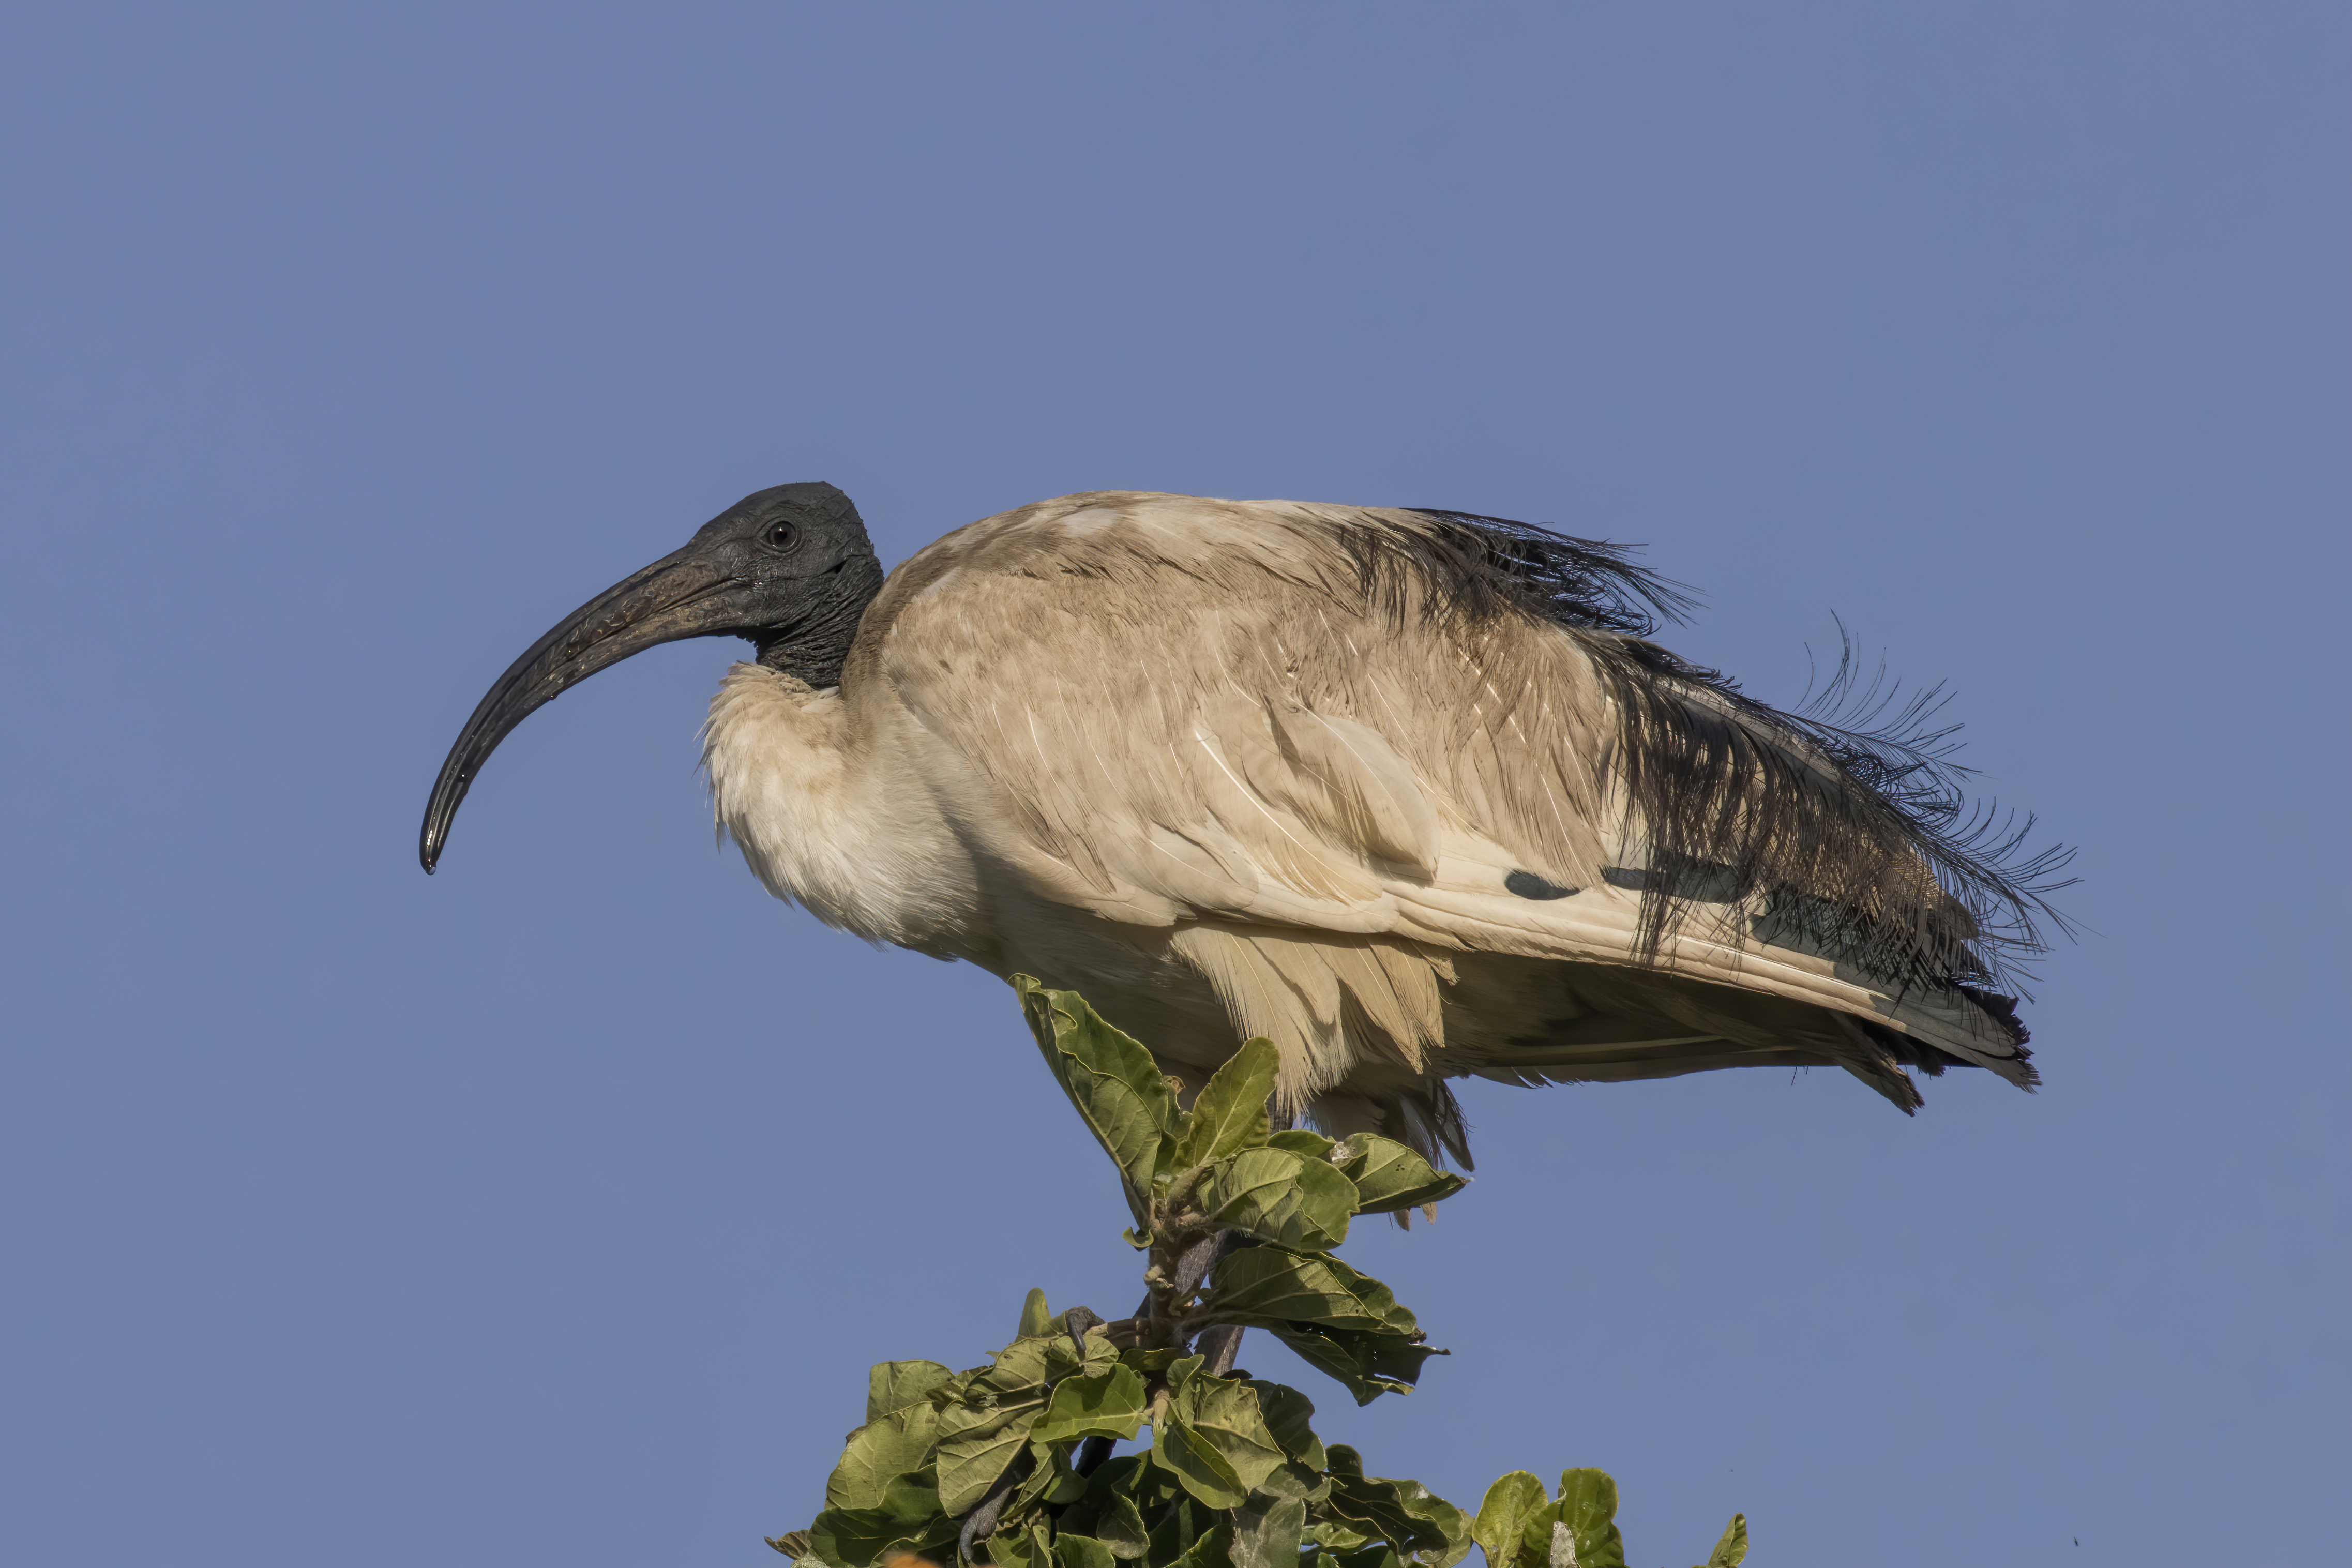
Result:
[[1078, 1321]]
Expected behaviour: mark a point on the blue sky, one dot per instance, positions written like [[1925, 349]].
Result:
[[549, 1211]]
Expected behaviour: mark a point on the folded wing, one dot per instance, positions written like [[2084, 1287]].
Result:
[[1416, 796]]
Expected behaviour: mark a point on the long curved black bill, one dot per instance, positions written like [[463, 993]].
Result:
[[677, 596]]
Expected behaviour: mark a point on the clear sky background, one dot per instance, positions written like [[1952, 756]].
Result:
[[551, 1210]]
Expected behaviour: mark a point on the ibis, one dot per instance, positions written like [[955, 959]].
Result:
[[1412, 792]]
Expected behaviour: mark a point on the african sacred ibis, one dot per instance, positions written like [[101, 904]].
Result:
[[1411, 793]]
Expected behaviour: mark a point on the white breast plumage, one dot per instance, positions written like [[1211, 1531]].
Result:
[[861, 846]]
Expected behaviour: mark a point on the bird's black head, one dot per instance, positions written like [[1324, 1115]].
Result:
[[790, 569], [800, 572]]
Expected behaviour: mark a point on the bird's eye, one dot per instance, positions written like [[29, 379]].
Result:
[[782, 535]]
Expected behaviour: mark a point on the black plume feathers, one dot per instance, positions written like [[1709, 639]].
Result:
[[1846, 820]]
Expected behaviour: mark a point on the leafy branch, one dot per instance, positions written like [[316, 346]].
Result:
[[1011, 1463]]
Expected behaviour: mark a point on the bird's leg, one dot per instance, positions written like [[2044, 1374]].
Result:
[[1219, 1347], [1156, 1316], [1174, 1280], [1195, 1265], [1094, 1450], [1175, 1274], [981, 1522], [1221, 1344]]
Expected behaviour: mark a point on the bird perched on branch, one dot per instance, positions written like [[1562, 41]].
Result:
[[1411, 793]]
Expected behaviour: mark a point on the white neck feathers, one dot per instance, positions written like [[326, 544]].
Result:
[[796, 782]]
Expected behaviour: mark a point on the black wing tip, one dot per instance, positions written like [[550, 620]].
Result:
[[1895, 750], [1895, 747], [1590, 583], [2002, 1010]]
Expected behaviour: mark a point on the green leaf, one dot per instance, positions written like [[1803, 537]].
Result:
[[1299, 1141], [1108, 1404], [1049, 1481], [1073, 1550], [1588, 1506], [1009, 1548], [1212, 1549], [1224, 1414], [1212, 1438], [1184, 1371], [1390, 1177], [1292, 1479], [1451, 1522], [983, 1433], [970, 1465], [893, 1385], [1229, 1114], [1732, 1549], [1280, 1196], [1336, 1534], [1268, 1532], [1093, 1354], [1118, 1524], [1174, 1517], [1539, 1543], [1021, 1365], [879, 1452], [1290, 1415], [1537, 1536], [957, 1388], [1421, 1526], [1113, 1081], [1503, 1517], [1367, 1364], [1063, 1484], [1275, 1287], [1332, 1535], [1194, 1461], [909, 1519], [1036, 1318], [1024, 1547]]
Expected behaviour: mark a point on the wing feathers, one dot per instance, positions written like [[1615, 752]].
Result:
[[1357, 789], [1316, 746]]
